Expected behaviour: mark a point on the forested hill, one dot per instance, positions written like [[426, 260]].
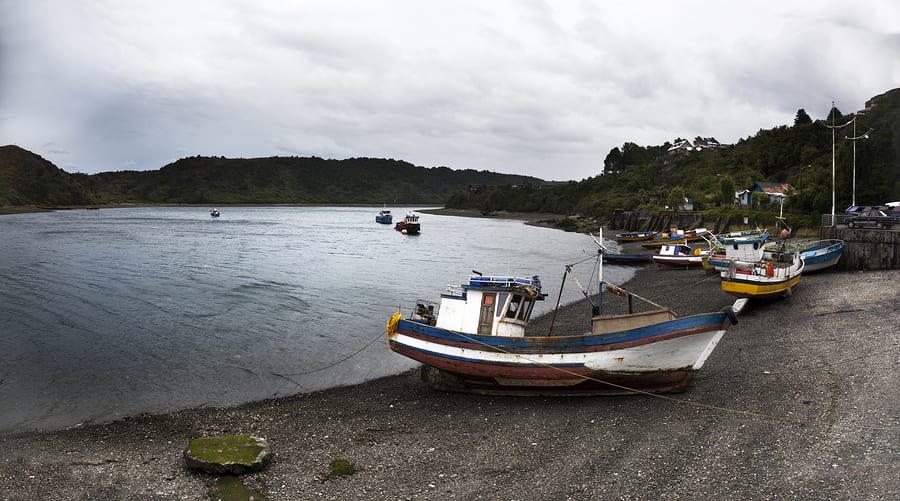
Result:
[[809, 155], [28, 179], [219, 180]]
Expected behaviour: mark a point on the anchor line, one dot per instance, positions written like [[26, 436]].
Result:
[[338, 362], [672, 399]]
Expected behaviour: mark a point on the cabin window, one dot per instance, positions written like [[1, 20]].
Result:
[[519, 307], [527, 304], [515, 305], [501, 300]]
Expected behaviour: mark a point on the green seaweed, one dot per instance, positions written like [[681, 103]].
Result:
[[340, 467], [237, 449]]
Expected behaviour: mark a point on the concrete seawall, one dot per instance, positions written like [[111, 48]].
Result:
[[866, 249]]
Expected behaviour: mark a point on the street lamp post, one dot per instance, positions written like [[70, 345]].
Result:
[[833, 128], [854, 139]]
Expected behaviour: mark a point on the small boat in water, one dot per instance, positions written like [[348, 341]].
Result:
[[821, 254], [409, 225], [475, 341], [384, 217], [214, 213], [680, 256], [635, 236]]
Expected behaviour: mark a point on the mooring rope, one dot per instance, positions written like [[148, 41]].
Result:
[[728, 410], [320, 369]]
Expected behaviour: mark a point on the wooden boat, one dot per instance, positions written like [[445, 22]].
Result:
[[635, 236], [476, 342], [384, 217], [680, 256], [746, 245], [627, 258], [821, 254], [666, 239], [772, 276], [409, 225]]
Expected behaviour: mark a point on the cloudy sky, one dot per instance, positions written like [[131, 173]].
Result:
[[542, 88]]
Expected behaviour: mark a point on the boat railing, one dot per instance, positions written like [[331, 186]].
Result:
[[504, 281]]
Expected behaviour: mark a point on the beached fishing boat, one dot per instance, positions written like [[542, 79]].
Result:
[[748, 245], [409, 225], [627, 258], [476, 342], [680, 256], [635, 236], [675, 236], [821, 254], [774, 275]]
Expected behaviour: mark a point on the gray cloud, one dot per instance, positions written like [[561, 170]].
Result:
[[538, 88]]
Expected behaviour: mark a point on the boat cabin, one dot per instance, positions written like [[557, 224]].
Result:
[[745, 249], [678, 250], [489, 306]]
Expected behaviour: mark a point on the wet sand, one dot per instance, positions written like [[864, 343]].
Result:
[[799, 401]]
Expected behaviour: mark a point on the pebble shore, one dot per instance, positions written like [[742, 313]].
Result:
[[799, 401]]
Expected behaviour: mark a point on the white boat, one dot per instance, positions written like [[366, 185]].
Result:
[[773, 275], [680, 256], [475, 341]]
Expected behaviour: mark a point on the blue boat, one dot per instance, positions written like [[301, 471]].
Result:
[[384, 217], [821, 254]]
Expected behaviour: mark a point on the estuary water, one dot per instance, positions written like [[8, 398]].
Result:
[[112, 313]]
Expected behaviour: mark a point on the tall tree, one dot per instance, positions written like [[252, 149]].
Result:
[[613, 161], [802, 117]]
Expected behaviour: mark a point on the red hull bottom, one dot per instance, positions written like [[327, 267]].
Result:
[[598, 385]]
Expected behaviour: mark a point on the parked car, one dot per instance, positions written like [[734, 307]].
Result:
[[873, 218]]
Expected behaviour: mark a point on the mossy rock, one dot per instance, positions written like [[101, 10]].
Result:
[[341, 467], [229, 454]]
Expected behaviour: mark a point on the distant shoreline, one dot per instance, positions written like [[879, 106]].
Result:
[[26, 209]]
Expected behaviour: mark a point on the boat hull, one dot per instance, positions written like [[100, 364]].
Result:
[[759, 287], [679, 261], [822, 255], [657, 358], [635, 237], [627, 258]]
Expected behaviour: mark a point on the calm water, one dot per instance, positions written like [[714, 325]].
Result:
[[113, 313]]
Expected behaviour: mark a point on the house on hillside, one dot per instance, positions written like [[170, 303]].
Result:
[[684, 147], [681, 148], [775, 191]]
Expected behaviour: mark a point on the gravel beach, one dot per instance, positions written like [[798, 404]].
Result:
[[799, 401]]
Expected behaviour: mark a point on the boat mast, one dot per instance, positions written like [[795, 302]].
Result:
[[600, 249]]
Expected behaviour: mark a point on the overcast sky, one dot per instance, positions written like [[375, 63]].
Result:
[[542, 88]]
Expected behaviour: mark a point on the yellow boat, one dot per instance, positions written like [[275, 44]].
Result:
[[773, 276]]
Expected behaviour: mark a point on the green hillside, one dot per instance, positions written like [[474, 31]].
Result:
[[646, 178], [219, 180], [652, 178], [28, 179]]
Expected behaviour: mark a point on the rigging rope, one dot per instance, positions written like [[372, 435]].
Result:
[[677, 400], [320, 369]]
